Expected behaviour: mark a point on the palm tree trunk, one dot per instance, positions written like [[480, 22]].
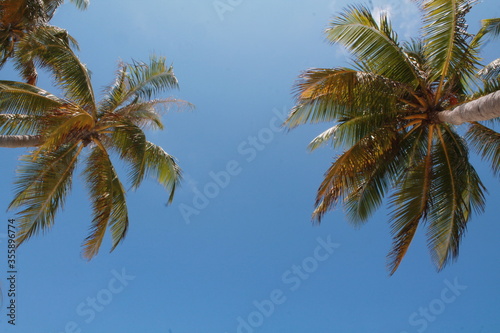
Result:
[[19, 141], [483, 108]]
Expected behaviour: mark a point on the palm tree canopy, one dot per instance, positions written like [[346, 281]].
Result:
[[76, 122], [21, 22], [386, 114]]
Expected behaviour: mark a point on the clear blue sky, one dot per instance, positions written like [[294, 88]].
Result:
[[249, 259]]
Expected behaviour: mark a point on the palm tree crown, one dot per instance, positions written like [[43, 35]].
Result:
[[388, 111], [66, 127], [21, 22]]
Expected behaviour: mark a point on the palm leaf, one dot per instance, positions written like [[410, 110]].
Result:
[[41, 188], [75, 125], [491, 71], [332, 94], [116, 92], [22, 98], [446, 40], [17, 124], [108, 202], [324, 138], [147, 80], [47, 49], [412, 196], [119, 215], [489, 28], [375, 178], [163, 168], [147, 114], [347, 175], [374, 44], [81, 4], [486, 142], [130, 142], [137, 83], [457, 190]]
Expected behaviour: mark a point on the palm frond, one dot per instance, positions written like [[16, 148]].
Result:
[[51, 49], [22, 98], [332, 94], [41, 188], [119, 215], [486, 142], [489, 28], [72, 126], [346, 177], [147, 114], [81, 4], [163, 167], [130, 142], [446, 40], [457, 190], [412, 196], [376, 178], [17, 124], [489, 87], [145, 158], [147, 80], [490, 71], [374, 44], [326, 137], [108, 202], [138, 82], [116, 93], [50, 7]]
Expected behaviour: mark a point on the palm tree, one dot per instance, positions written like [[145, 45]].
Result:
[[389, 114], [62, 129], [21, 21]]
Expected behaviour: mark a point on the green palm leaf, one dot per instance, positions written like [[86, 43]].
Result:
[[333, 94], [48, 50], [136, 84], [490, 28], [147, 80], [163, 168], [457, 190], [16, 124], [41, 187], [130, 142], [375, 44], [346, 177], [147, 114], [446, 40], [412, 197], [486, 142], [108, 202], [376, 178], [71, 127], [22, 98]]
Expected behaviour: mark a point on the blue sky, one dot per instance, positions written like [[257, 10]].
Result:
[[246, 257]]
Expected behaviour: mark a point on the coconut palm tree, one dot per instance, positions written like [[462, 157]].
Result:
[[21, 21], [392, 113], [76, 129]]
